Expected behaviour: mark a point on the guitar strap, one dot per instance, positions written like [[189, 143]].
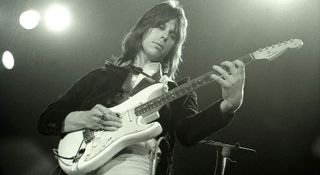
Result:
[[145, 82], [138, 70]]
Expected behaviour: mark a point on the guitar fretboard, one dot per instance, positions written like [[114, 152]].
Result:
[[183, 89]]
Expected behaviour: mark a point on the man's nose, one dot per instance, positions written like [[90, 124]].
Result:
[[164, 35]]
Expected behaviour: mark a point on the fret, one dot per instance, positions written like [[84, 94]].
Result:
[[183, 89]]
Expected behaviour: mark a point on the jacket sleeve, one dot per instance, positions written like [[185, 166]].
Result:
[[51, 120], [193, 126]]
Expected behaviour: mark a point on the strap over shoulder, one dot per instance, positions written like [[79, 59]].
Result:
[[183, 80]]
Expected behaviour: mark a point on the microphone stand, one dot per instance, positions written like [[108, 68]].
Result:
[[226, 151]]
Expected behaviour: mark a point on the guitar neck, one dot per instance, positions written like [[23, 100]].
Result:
[[184, 89]]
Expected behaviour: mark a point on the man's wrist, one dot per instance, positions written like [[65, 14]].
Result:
[[227, 107], [72, 121]]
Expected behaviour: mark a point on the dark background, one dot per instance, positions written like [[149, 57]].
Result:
[[280, 114]]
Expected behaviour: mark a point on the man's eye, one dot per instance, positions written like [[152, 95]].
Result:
[[173, 36]]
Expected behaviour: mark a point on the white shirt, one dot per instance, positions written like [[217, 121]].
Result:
[[135, 159]]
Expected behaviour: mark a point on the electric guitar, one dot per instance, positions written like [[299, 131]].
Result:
[[83, 151]]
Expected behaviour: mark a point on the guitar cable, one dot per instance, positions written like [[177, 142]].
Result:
[[56, 153]]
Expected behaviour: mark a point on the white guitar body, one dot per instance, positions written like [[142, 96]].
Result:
[[106, 144]]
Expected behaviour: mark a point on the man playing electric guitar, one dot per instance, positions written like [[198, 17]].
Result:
[[153, 44]]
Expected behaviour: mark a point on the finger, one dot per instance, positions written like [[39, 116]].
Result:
[[231, 66], [111, 124], [103, 127], [99, 119], [113, 114], [222, 82], [222, 72], [100, 108], [113, 118], [96, 112], [240, 66], [110, 128], [105, 111]]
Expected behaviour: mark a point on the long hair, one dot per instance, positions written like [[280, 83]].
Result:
[[154, 17]]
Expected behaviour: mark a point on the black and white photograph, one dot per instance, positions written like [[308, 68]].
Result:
[[160, 87]]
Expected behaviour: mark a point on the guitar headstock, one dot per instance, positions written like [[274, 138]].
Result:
[[272, 52]]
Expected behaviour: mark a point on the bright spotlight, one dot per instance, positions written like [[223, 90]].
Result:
[[7, 60], [283, 2], [57, 18], [29, 19]]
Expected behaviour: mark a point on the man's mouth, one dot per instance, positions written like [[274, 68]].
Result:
[[158, 44]]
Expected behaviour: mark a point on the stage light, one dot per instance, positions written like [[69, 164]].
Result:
[[282, 2], [7, 60], [29, 19], [57, 17]]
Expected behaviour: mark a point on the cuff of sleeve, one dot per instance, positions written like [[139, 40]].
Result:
[[217, 117], [227, 117], [210, 120], [52, 125]]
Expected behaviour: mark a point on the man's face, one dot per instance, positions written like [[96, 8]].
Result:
[[157, 42]]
